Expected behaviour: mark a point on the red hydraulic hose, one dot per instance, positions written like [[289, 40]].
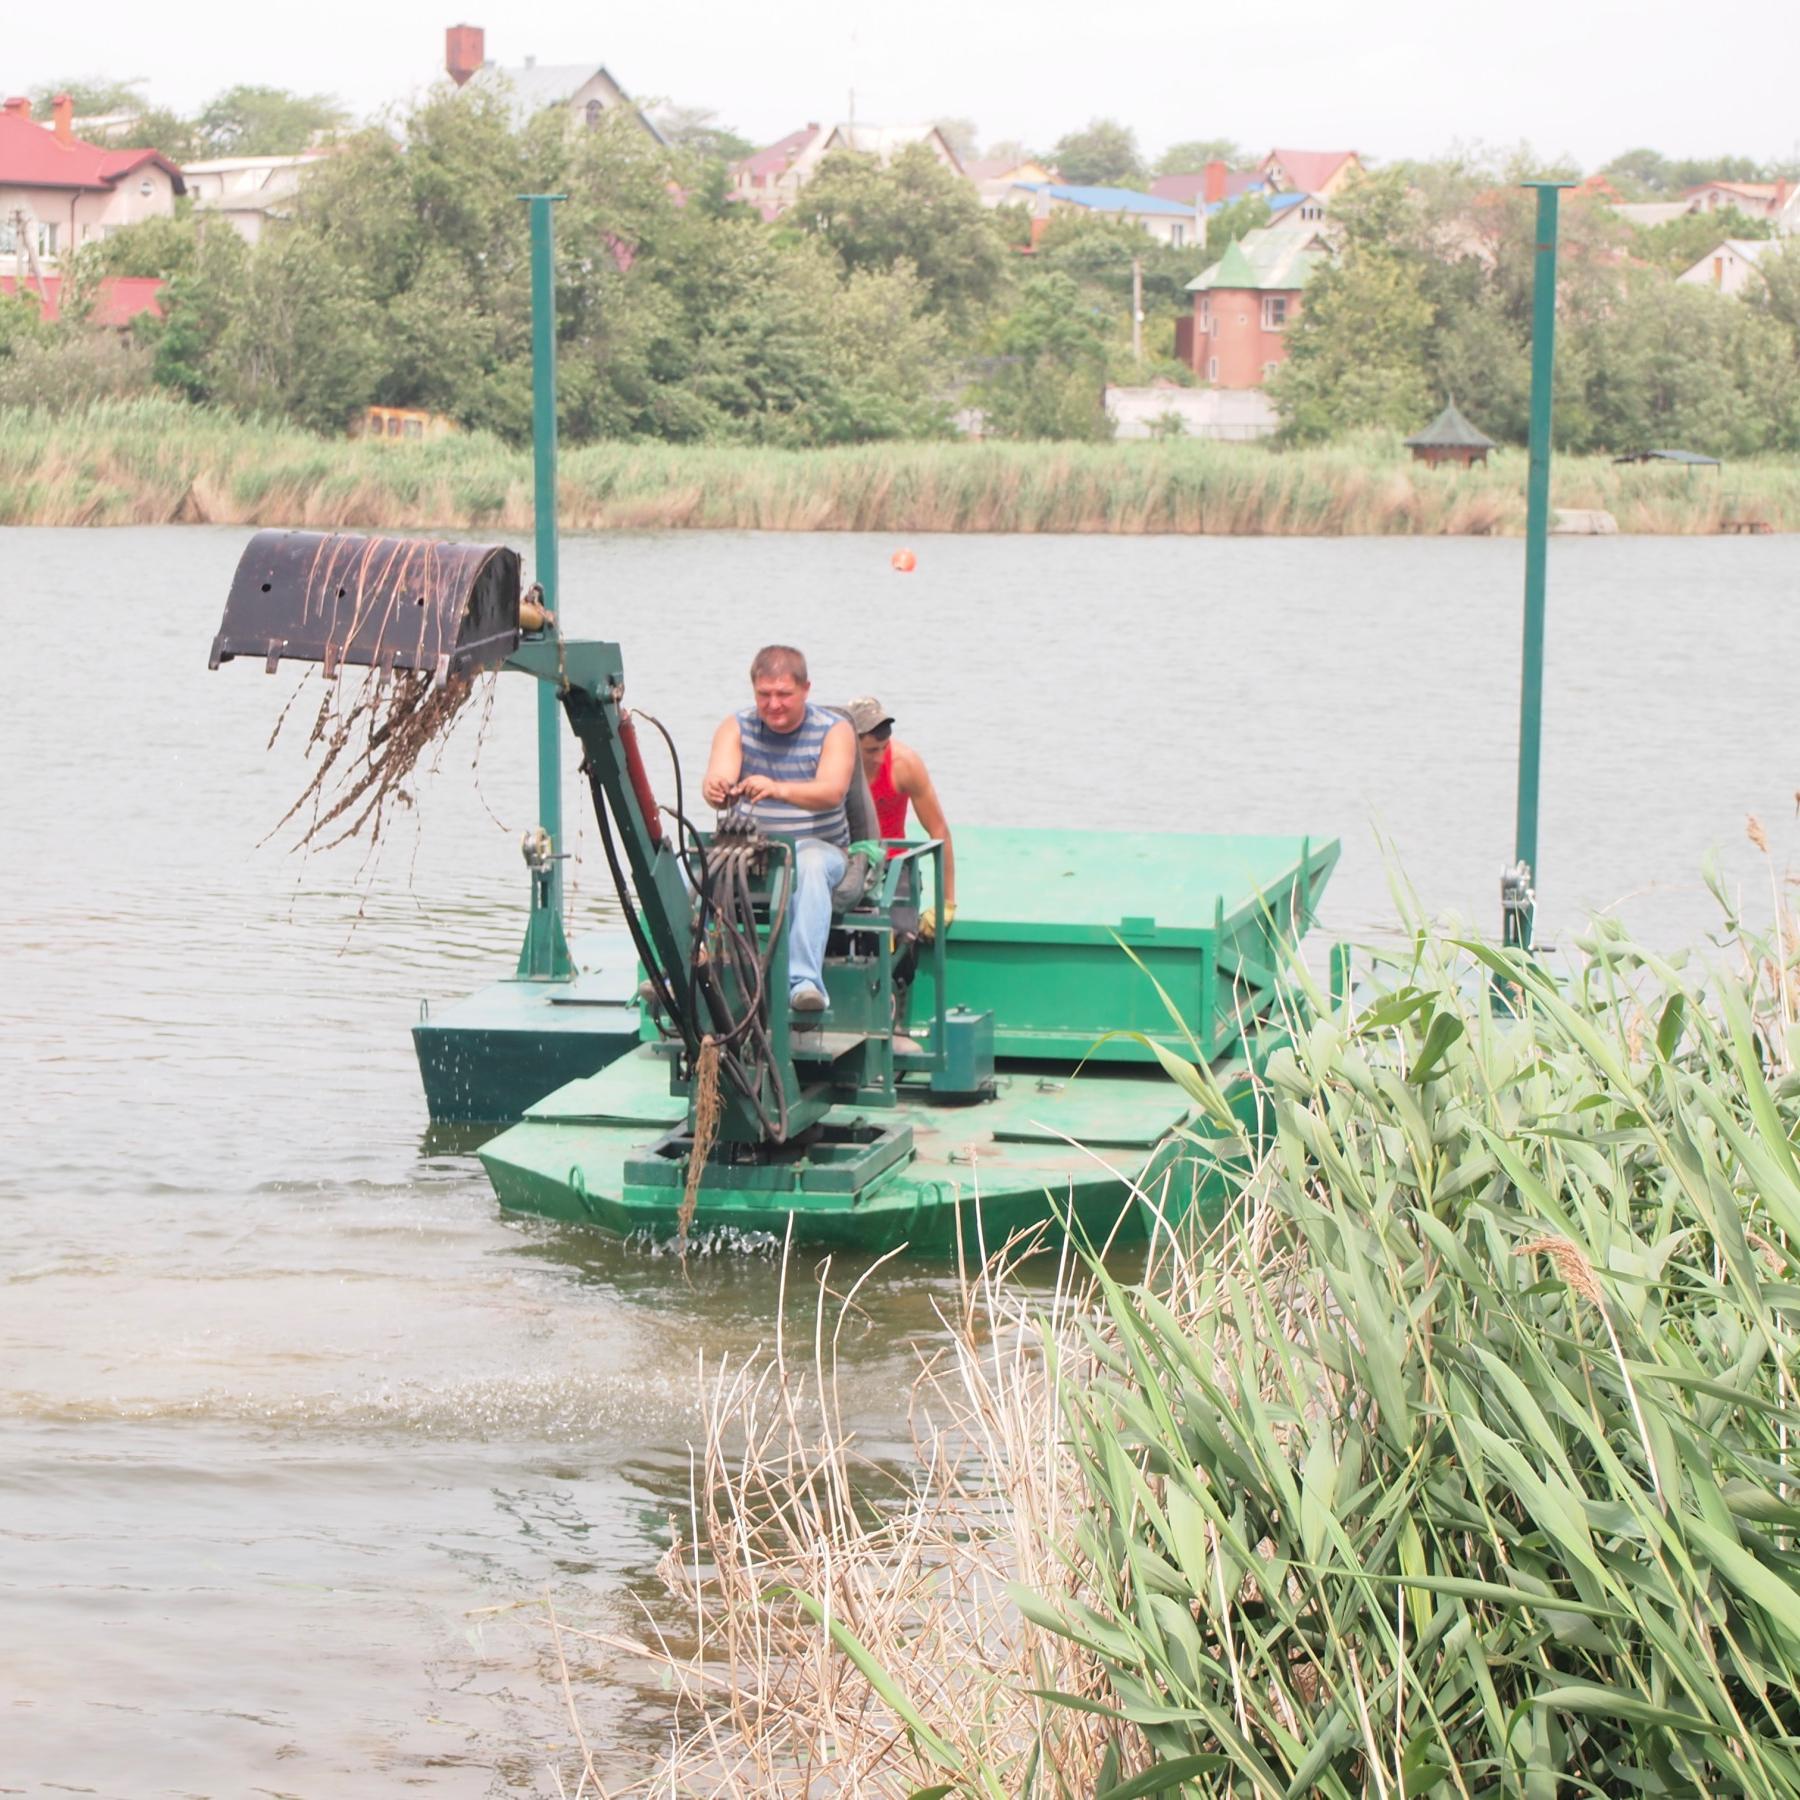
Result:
[[640, 777]]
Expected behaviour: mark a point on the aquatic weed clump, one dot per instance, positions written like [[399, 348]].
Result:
[[1461, 1459], [1456, 1458]]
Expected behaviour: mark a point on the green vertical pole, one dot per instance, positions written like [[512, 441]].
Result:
[[1518, 887], [546, 952]]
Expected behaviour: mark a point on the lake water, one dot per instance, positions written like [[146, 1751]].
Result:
[[296, 1430]]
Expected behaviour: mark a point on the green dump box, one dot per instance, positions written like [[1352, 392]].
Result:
[[1045, 919]]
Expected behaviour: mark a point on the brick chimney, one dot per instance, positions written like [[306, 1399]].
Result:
[[62, 112], [465, 50], [18, 107], [1213, 182]]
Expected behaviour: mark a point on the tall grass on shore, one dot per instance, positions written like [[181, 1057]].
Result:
[[1458, 1458], [157, 461]]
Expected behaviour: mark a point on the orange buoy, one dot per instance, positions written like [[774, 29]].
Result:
[[904, 561]]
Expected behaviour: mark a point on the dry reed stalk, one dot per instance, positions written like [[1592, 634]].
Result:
[[913, 1566]]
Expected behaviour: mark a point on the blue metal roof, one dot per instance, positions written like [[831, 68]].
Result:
[[1109, 199], [1277, 203]]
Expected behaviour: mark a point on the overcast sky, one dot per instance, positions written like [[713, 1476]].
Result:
[[1390, 78]]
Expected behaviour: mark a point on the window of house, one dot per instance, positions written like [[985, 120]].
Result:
[[594, 110], [1269, 369], [1212, 368], [43, 237], [1206, 315], [1274, 312], [1178, 235]]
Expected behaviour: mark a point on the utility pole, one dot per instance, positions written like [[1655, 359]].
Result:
[[1137, 310]]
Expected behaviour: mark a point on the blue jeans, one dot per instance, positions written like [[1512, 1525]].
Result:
[[818, 868]]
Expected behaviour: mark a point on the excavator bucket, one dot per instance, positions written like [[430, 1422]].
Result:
[[386, 602]]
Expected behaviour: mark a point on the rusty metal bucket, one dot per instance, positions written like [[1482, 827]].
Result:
[[385, 602]]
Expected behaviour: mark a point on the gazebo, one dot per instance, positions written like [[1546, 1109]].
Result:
[[1450, 438]]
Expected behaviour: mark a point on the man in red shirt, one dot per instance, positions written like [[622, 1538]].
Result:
[[897, 775]]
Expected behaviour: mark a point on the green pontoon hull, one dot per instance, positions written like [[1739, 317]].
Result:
[[1107, 1150], [1081, 950], [485, 1058]]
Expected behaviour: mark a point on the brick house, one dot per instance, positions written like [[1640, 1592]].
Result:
[[58, 192], [1245, 304]]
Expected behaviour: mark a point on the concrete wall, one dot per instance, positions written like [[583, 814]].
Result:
[[1142, 412]]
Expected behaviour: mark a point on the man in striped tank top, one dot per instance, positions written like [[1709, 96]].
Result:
[[792, 761]]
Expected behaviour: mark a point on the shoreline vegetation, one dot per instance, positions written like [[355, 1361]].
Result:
[[1454, 1458], [154, 461]]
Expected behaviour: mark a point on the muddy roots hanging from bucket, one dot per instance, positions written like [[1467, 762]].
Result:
[[368, 739], [423, 619]]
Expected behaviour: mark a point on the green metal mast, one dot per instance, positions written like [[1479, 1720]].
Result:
[[1518, 895], [545, 952]]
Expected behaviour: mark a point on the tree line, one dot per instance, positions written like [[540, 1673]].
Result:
[[886, 303]]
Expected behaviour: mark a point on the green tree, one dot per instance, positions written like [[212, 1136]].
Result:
[[1645, 174], [1672, 364], [697, 129], [1358, 354], [1232, 221], [916, 212], [1104, 155], [1192, 155], [1778, 292], [157, 128], [266, 121], [1047, 376], [92, 95], [1677, 244]]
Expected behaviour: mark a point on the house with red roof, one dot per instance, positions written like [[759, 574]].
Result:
[[58, 192], [1321, 172], [770, 179], [1213, 185]]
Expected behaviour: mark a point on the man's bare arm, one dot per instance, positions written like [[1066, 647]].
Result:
[[725, 763], [913, 779]]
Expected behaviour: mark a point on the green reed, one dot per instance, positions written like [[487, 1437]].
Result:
[[152, 459], [1459, 1459]]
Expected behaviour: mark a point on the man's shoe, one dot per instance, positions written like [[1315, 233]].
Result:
[[804, 997]]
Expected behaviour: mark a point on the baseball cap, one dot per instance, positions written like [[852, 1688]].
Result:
[[866, 715]]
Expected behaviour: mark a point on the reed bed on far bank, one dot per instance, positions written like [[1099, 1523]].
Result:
[[1458, 1458], [157, 461]]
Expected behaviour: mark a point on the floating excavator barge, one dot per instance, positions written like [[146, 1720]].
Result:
[[1024, 1082]]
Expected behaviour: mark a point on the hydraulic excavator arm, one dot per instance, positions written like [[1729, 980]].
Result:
[[707, 916]]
